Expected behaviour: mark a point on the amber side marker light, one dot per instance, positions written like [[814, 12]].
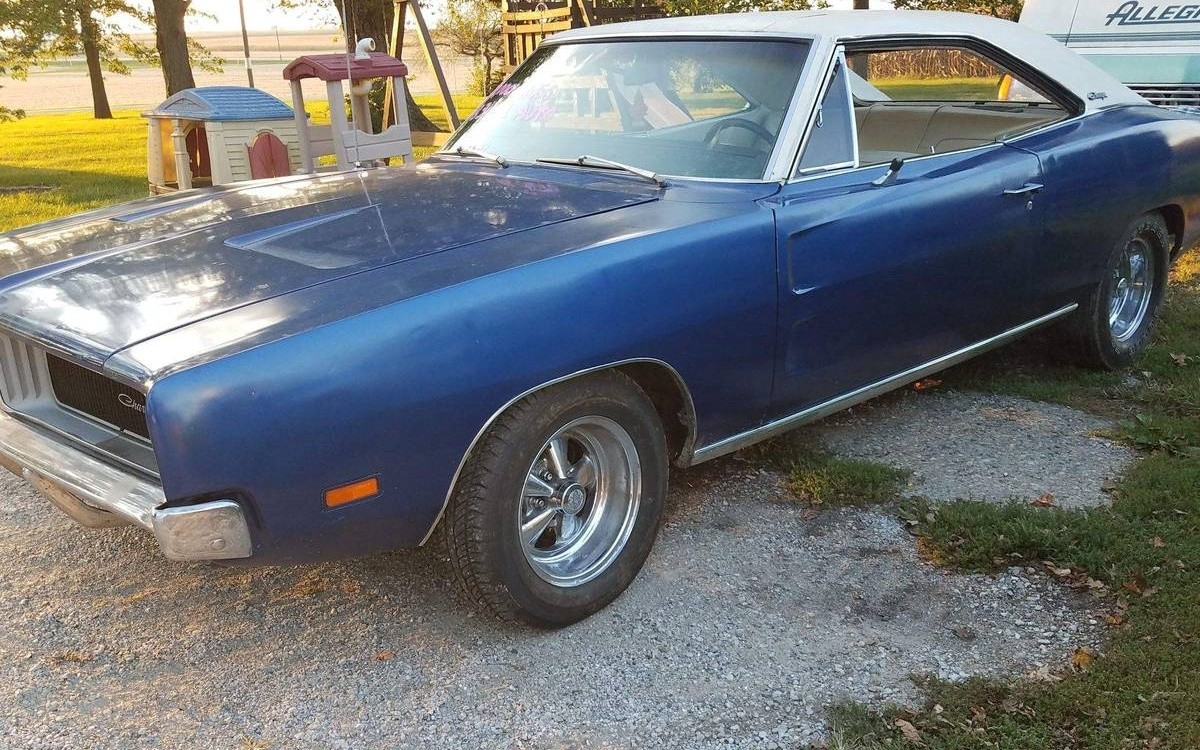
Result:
[[348, 493]]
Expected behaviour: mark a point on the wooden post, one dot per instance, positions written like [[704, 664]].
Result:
[[584, 13], [183, 170], [396, 48], [339, 125], [431, 57], [154, 155], [307, 163]]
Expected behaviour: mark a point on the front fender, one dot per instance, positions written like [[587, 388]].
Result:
[[401, 391]]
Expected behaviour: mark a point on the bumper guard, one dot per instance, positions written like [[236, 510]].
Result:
[[97, 494]]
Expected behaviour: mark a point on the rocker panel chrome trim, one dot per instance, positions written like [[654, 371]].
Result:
[[867, 392]]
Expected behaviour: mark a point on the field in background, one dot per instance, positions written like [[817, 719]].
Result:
[[87, 163], [947, 89]]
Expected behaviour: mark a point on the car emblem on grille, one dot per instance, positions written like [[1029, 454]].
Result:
[[126, 400]]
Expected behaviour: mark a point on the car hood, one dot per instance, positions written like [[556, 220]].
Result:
[[100, 282]]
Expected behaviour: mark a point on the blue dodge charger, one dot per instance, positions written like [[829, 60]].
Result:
[[654, 244]]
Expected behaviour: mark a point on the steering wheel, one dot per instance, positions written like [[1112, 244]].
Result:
[[710, 140]]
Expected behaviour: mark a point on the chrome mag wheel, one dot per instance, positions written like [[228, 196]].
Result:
[[580, 501], [1131, 290]]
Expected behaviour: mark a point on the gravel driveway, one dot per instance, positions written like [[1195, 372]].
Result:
[[751, 617]]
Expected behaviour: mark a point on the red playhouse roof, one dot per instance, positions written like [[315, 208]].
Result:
[[333, 67]]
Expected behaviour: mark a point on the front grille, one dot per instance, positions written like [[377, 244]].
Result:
[[1170, 95], [97, 396]]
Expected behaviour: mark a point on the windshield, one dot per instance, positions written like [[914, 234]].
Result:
[[686, 108]]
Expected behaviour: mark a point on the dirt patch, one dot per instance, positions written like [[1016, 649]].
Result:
[[984, 447]]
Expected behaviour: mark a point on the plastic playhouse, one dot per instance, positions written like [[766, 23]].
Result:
[[217, 135], [349, 143]]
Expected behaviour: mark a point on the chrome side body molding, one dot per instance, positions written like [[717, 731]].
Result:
[[867, 392]]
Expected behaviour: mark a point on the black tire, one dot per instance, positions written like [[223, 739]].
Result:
[[482, 522], [1093, 341]]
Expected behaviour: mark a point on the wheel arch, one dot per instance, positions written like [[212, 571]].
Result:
[[1173, 215], [661, 382]]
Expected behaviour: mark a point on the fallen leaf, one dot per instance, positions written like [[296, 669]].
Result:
[[909, 731], [1181, 359], [1082, 658], [1043, 674], [1055, 570], [979, 714], [1157, 542], [1044, 500], [1114, 620], [385, 656], [1135, 585], [926, 383]]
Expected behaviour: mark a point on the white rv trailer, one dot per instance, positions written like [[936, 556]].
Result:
[[1151, 46]]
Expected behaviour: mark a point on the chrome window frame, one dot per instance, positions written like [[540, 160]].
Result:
[[838, 61], [1075, 111], [782, 158]]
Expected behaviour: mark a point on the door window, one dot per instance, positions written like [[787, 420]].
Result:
[[938, 98]]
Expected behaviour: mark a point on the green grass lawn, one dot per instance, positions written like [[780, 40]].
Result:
[[88, 163]]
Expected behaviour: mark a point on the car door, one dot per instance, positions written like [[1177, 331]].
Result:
[[881, 271]]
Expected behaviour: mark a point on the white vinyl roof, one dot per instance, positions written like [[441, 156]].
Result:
[[1095, 88]]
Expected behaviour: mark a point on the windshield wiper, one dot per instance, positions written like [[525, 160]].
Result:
[[473, 153], [596, 161]]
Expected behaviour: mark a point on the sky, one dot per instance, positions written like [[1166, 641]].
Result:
[[263, 15]]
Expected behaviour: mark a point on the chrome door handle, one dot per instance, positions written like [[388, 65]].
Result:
[[1027, 189]]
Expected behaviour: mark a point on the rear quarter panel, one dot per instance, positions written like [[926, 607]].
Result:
[[1102, 171]]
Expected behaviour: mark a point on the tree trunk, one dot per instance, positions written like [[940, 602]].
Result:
[[862, 4], [170, 38], [89, 35], [373, 18]]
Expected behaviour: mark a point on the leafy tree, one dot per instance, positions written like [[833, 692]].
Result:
[[1010, 9], [170, 39], [472, 28], [37, 31], [34, 32]]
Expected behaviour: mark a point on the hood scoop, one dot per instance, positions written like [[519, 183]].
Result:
[[301, 242]]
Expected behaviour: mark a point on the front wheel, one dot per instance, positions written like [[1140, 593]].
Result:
[[558, 505], [1115, 324]]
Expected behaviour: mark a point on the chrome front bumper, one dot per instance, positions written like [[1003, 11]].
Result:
[[98, 495]]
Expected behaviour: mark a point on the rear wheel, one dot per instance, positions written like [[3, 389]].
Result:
[[559, 503], [1115, 323]]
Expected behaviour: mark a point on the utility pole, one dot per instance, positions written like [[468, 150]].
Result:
[[246, 44]]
